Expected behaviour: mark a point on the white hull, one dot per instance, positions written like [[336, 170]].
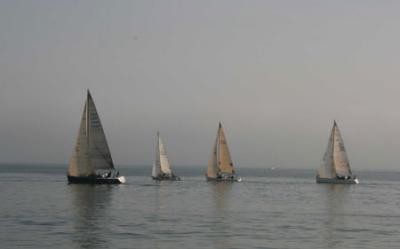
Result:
[[122, 179]]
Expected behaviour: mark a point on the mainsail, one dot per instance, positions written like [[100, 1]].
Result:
[[161, 164], [212, 169], [91, 150], [220, 161], [335, 161]]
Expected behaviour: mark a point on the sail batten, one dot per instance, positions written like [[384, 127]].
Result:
[[91, 151]]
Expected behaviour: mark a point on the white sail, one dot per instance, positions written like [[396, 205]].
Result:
[[212, 169], [79, 164], [156, 170], [161, 164], [220, 161], [341, 161], [164, 163], [327, 169], [91, 150], [335, 161]]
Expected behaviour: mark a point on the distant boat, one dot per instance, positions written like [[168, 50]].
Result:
[[335, 166], [91, 161], [220, 166], [161, 167]]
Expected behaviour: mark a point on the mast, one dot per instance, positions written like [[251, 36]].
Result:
[[87, 120]]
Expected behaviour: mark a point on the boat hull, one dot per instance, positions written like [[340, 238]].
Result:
[[337, 181], [224, 179], [166, 178], [93, 180]]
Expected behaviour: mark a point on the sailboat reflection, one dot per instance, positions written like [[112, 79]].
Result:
[[222, 219], [91, 210], [221, 193], [335, 218]]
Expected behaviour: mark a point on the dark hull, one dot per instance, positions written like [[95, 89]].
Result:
[[92, 180], [166, 178], [223, 179], [337, 181]]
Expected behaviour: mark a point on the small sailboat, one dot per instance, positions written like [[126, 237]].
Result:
[[335, 166], [220, 166], [161, 167], [91, 161]]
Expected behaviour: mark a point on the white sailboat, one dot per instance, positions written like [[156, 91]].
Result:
[[335, 166], [220, 166], [91, 160], [161, 167]]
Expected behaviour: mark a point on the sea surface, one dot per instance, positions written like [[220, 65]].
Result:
[[269, 209]]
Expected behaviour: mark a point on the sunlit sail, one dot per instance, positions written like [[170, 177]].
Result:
[[220, 165], [161, 167]]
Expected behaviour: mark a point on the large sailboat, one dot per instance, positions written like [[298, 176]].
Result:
[[91, 161], [335, 166], [220, 166], [161, 167]]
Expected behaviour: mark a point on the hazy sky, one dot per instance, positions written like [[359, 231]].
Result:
[[276, 73]]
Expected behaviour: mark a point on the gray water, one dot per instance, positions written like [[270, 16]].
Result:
[[269, 209]]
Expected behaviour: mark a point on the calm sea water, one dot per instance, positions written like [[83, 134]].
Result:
[[269, 209]]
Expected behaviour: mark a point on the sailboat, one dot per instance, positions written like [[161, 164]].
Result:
[[91, 161], [161, 167], [335, 166], [220, 166]]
